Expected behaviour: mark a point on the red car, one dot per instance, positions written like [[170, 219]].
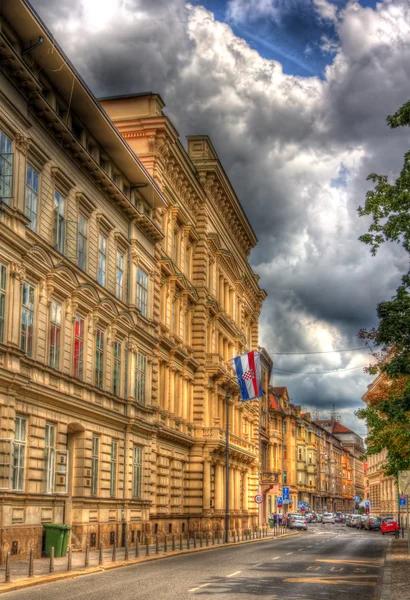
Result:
[[389, 525]]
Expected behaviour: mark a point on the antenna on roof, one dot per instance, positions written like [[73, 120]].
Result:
[[316, 416], [334, 416]]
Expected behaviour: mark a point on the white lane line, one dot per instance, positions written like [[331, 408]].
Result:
[[258, 565], [287, 554], [300, 550], [309, 546], [233, 574], [199, 586], [275, 557]]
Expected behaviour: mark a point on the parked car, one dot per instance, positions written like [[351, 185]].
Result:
[[298, 522], [389, 525], [353, 520], [328, 518], [288, 518], [308, 517], [361, 521], [373, 523], [319, 517], [313, 518], [339, 517]]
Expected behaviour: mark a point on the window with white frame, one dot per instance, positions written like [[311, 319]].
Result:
[[140, 377], [99, 358], [94, 464], [3, 290], [19, 453], [102, 259], [116, 350], [49, 457], [59, 222], [27, 319], [142, 292], [113, 468], [82, 242], [79, 347], [136, 471], [6, 168], [55, 334], [32, 178], [119, 276]]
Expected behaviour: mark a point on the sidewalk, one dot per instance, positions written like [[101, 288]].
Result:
[[19, 570], [396, 578]]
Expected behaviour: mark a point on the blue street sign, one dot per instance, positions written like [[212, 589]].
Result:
[[403, 501], [357, 498], [279, 500], [285, 493], [300, 503], [367, 504]]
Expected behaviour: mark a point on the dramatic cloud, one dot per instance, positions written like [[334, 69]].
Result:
[[297, 150]]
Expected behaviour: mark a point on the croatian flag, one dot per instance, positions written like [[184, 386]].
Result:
[[248, 372]]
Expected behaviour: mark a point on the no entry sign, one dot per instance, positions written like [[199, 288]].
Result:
[[258, 498]]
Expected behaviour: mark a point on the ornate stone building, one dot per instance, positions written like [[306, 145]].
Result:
[[125, 291]]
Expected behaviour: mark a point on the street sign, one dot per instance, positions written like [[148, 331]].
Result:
[[258, 498], [285, 493], [300, 503], [367, 504], [403, 501], [357, 498]]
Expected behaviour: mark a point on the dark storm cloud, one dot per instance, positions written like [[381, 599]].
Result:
[[284, 142]]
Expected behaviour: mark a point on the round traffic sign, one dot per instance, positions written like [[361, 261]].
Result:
[[258, 498]]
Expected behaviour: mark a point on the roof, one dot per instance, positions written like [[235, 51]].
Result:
[[336, 427], [279, 391], [274, 403]]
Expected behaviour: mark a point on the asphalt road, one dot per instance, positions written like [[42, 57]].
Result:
[[327, 562]]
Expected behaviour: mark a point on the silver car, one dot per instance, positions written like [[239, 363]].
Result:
[[328, 518], [297, 522]]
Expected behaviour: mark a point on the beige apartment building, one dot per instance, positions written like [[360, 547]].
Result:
[[125, 291]]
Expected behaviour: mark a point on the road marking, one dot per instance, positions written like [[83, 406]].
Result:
[[309, 546], [328, 581], [313, 568], [199, 586], [300, 550], [233, 574], [275, 557], [361, 563], [258, 565], [287, 554]]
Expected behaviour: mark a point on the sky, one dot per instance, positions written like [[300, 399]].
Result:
[[294, 95]]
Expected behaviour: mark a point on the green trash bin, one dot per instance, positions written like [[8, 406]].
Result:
[[54, 539], [67, 529], [270, 523]]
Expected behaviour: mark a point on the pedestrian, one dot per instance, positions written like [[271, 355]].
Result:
[[280, 517], [275, 519]]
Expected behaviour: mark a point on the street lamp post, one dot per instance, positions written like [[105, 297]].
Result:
[[227, 470]]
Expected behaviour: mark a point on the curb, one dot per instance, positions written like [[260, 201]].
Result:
[[386, 586], [43, 579]]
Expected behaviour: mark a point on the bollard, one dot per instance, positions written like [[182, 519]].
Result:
[[165, 544], [7, 577], [206, 539], [180, 541], [114, 550], [156, 544], [70, 559], [137, 548], [147, 543], [87, 556], [51, 570], [188, 542], [217, 537], [173, 542], [101, 555], [200, 539], [194, 539], [126, 549], [31, 563]]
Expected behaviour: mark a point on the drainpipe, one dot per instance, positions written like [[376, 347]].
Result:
[[124, 520]]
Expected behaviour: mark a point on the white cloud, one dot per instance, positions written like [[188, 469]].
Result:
[[326, 10], [284, 140]]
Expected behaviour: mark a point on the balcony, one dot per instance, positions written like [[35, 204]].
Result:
[[301, 465], [215, 365], [269, 477], [311, 468]]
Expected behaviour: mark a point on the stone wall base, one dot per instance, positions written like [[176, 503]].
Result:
[[18, 540]]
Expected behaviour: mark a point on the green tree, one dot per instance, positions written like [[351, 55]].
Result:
[[388, 411]]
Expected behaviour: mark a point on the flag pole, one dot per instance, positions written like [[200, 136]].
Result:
[[227, 470]]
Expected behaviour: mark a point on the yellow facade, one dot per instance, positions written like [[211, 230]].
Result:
[[125, 290]]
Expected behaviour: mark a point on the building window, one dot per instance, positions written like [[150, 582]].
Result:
[[119, 276], [136, 471], [113, 468], [79, 347], [55, 334], [19, 453], [32, 177], [3, 283], [284, 428], [175, 246], [142, 292], [27, 319], [99, 358], [140, 377], [188, 261], [116, 388], [82, 242], [6, 168], [49, 457], [94, 465], [285, 477], [102, 259], [59, 222]]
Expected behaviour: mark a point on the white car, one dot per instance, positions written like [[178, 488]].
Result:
[[328, 518]]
